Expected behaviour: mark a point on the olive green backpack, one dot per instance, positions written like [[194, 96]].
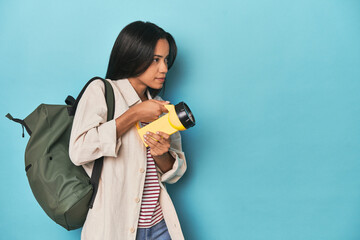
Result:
[[63, 190]]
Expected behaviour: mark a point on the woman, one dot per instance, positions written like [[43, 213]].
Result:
[[132, 200]]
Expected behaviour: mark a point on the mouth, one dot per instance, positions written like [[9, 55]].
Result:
[[160, 79]]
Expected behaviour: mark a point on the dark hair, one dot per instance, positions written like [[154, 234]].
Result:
[[133, 51]]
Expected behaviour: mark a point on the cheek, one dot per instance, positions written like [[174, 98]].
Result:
[[151, 73], [147, 77]]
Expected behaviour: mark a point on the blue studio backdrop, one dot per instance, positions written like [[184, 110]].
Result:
[[274, 86]]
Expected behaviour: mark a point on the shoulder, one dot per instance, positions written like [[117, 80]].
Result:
[[96, 88], [97, 85], [93, 94]]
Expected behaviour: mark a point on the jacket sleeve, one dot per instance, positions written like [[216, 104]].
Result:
[[92, 136], [179, 166]]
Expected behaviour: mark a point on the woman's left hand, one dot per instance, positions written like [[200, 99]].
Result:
[[159, 143]]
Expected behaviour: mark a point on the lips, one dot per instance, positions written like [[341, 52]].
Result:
[[160, 79]]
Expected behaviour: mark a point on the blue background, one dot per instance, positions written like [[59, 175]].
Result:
[[274, 86]]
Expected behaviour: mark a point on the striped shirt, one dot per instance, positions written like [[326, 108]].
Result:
[[150, 212]]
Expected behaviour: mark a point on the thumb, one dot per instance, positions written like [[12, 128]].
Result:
[[164, 109]]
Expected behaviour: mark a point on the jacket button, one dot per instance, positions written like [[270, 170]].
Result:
[[142, 170], [137, 200], [132, 230]]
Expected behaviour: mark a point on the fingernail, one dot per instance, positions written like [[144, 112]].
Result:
[[157, 133], [147, 132]]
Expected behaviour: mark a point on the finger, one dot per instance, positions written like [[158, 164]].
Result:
[[156, 151], [150, 141], [163, 135], [156, 143], [160, 102], [164, 109], [150, 144], [154, 147], [157, 137], [162, 138]]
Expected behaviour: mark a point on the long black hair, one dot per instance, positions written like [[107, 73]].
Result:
[[133, 51]]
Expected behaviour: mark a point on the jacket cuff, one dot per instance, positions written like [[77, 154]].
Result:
[[107, 136], [178, 169]]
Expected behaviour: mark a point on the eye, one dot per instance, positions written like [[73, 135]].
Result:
[[166, 60], [156, 59]]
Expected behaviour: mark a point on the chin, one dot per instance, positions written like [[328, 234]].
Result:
[[157, 86]]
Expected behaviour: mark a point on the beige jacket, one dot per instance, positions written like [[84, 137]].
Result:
[[115, 213]]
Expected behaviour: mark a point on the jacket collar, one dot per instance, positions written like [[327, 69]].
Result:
[[128, 92]]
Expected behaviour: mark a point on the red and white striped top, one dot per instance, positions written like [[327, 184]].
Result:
[[150, 212]]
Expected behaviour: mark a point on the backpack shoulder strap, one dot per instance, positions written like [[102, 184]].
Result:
[[110, 100], [110, 103], [98, 165], [109, 95]]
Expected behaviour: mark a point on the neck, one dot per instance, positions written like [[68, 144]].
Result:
[[140, 89]]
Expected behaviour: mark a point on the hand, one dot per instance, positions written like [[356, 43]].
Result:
[[150, 110], [159, 143]]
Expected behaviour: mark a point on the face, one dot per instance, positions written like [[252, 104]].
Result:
[[154, 76]]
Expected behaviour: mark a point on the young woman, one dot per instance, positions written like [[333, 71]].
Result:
[[132, 201]]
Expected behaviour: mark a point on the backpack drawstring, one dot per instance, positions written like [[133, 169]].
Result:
[[22, 122], [23, 134]]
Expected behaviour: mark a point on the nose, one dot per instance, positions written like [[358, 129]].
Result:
[[163, 67]]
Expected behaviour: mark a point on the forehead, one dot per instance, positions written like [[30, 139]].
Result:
[[162, 47]]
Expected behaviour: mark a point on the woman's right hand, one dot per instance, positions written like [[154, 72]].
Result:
[[150, 110]]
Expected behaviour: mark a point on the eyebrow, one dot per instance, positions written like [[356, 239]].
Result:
[[159, 56]]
